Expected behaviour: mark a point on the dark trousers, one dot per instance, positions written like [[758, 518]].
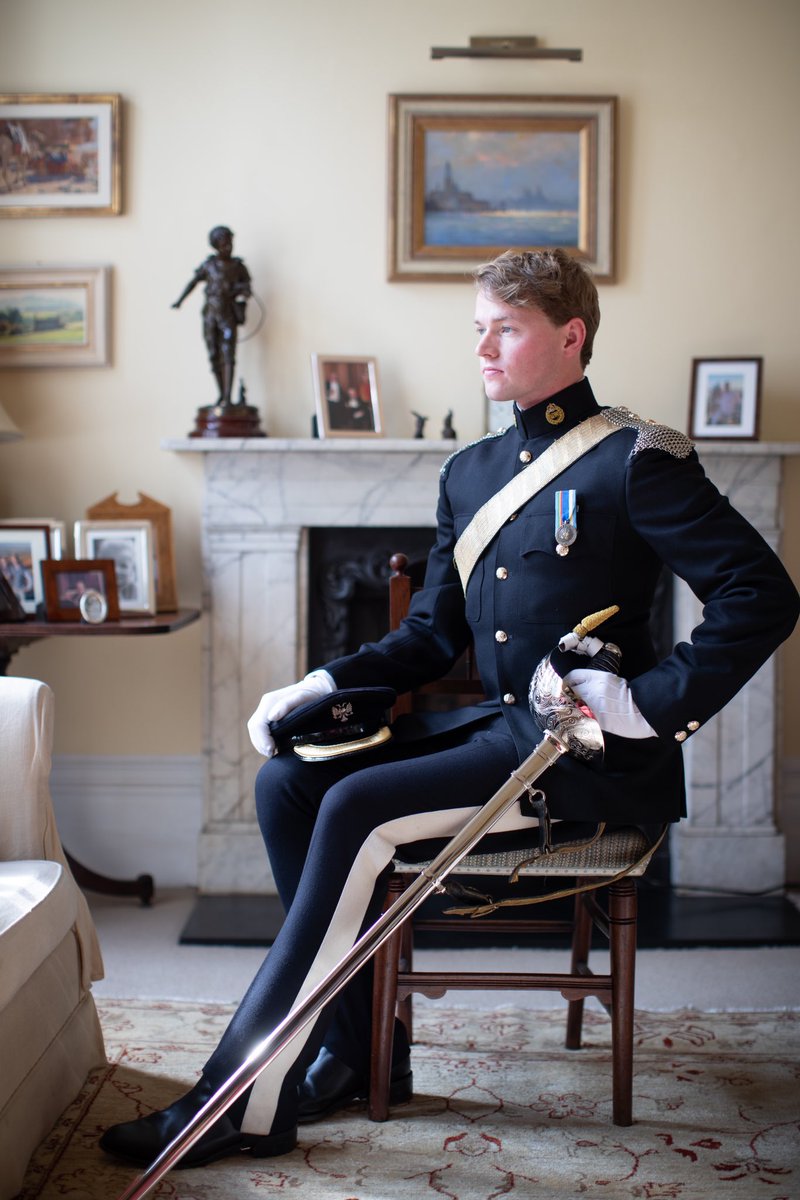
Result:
[[331, 830]]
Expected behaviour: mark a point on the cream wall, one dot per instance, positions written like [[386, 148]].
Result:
[[271, 118]]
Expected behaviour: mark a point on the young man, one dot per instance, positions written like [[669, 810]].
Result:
[[597, 533]]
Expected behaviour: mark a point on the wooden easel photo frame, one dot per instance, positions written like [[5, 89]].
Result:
[[160, 516]]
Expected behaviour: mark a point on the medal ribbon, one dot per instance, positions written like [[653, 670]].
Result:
[[566, 508]]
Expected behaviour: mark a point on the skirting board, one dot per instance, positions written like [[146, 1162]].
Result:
[[124, 816]]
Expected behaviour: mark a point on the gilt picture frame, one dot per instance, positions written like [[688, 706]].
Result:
[[60, 155], [54, 316], [472, 176], [725, 398], [347, 396]]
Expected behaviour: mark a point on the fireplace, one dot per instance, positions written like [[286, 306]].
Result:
[[265, 503]]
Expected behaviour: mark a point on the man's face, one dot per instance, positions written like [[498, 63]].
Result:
[[524, 357]]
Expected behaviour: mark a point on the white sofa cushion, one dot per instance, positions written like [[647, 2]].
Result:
[[37, 909], [27, 821]]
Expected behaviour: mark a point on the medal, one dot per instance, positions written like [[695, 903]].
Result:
[[566, 505]]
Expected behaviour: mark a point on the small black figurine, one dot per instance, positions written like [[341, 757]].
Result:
[[419, 425], [448, 433]]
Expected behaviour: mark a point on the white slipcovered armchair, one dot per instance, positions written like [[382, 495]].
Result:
[[50, 1036]]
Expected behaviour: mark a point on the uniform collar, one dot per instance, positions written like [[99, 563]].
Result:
[[577, 402]]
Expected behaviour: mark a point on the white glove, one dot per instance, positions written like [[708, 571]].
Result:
[[611, 701], [274, 705]]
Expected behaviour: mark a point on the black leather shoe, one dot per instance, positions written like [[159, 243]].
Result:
[[330, 1085], [140, 1142]]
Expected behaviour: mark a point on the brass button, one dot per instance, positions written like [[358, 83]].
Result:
[[513, 517], [509, 698], [525, 456], [681, 735], [502, 572], [693, 725], [501, 636]]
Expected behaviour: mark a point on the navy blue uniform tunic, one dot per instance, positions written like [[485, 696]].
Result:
[[638, 507]]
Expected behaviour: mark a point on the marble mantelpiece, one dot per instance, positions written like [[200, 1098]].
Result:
[[261, 496]]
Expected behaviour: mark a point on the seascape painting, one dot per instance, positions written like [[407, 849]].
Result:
[[471, 176], [502, 187]]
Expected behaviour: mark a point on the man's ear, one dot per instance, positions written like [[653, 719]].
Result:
[[574, 337]]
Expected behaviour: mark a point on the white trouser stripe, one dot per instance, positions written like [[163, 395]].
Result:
[[375, 853]]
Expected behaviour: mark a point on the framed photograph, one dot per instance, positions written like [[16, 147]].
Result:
[[68, 581], [54, 316], [57, 529], [472, 176], [130, 546], [160, 517], [725, 398], [59, 155], [23, 549], [346, 395], [10, 607]]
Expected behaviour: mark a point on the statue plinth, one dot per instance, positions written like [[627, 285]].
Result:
[[227, 420]]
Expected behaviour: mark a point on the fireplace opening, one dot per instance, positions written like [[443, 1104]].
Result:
[[348, 575]]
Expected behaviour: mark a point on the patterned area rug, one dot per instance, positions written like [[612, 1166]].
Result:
[[500, 1109]]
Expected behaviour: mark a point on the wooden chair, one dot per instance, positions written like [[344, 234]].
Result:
[[615, 852]]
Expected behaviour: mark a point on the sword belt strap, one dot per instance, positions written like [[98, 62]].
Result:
[[499, 507]]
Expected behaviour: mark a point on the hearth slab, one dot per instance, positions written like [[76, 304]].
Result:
[[666, 921]]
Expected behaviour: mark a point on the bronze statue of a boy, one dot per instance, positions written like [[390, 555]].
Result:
[[227, 283]]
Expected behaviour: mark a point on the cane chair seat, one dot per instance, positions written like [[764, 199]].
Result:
[[589, 868], [617, 850]]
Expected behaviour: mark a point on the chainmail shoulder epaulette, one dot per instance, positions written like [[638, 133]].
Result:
[[649, 434], [495, 433]]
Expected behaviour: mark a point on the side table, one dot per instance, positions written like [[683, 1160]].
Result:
[[16, 634]]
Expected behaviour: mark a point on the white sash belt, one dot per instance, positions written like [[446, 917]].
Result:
[[496, 511]]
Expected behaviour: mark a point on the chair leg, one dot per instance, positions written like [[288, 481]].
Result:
[[622, 937], [404, 1006], [384, 1003], [581, 941]]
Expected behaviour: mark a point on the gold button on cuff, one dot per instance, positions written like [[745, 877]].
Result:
[[693, 725], [501, 636], [502, 572], [509, 698], [525, 456], [681, 735]]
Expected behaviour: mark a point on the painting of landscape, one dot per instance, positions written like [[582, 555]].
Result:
[[40, 316]]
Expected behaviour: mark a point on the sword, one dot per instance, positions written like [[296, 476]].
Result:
[[569, 728]]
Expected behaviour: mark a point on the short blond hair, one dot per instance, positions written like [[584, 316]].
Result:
[[550, 280]]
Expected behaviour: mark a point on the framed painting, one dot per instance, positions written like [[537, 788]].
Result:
[[130, 546], [346, 395], [725, 398], [73, 586], [23, 549], [59, 155], [54, 317], [472, 176]]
